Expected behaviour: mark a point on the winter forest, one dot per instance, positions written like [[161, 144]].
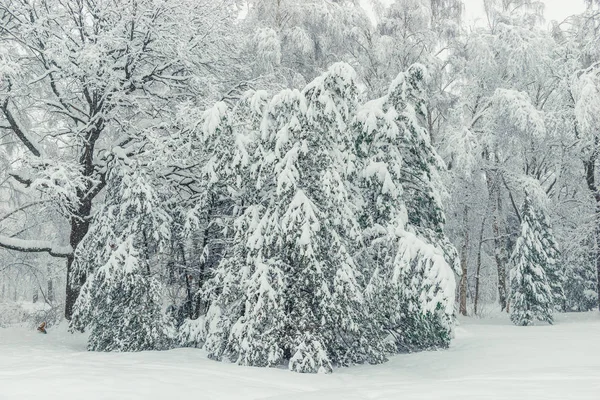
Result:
[[297, 184]]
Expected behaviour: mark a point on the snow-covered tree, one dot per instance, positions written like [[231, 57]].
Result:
[[81, 78], [295, 41], [580, 283], [121, 305], [554, 268], [508, 130], [411, 287], [121, 301], [289, 289], [531, 296]]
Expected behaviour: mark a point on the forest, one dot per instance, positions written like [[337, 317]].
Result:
[[311, 183]]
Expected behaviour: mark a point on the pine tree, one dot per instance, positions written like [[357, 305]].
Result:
[[331, 103], [121, 305], [554, 268], [531, 294], [223, 138], [411, 287], [120, 302], [290, 288]]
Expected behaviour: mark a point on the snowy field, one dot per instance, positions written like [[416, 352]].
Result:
[[489, 359]]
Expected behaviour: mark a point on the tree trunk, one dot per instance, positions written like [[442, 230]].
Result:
[[80, 225], [499, 250], [499, 256], [590, 173], [199, 307], [50, 290], [478, 271], [463, 266], [189, 303]]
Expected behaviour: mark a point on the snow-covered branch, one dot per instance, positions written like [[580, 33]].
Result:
[[35, 246], [19, 130]]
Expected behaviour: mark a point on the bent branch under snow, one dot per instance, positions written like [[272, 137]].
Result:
[[35, 246]]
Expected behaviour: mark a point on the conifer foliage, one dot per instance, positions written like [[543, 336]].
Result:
[[332, 249], [121, 300], [121, 305], [290, 288], [324, 265], [411, 284], [554, 268], [531, 292]]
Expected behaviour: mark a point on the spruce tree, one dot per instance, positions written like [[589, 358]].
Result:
[[531, 294], [121, 305]]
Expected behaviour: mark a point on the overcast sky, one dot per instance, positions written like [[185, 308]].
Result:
[[555, 9]]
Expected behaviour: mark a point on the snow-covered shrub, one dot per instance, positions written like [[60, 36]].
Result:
[[192, 332]]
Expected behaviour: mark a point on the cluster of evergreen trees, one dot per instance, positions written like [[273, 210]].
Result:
[[335, 251], [297, 226]]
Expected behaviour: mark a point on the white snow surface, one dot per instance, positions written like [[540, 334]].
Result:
[[489, 359]]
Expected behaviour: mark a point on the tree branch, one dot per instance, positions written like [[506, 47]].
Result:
[[16, 127], [22, 208], [24, 181], [35, 246]]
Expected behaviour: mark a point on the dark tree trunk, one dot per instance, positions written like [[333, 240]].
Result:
[[590, 173], [478, 270], [463, 266], [500, 260], [50, 290], [80, 225], [189, 303], [499, 243], [202, 275], [81, 220]]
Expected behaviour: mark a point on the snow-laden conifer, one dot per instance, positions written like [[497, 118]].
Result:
[[407, 257], [120, 302], [531, 295], [554, 267], [221, 137], [290, 288], [581, 282]]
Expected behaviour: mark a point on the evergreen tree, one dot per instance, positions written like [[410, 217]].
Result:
[[223, 137], [411, 287], [554, 268], [581, 281], [290, 288], [120, 303], [531, 294]]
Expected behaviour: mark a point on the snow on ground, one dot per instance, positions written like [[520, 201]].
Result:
[[489, 359]]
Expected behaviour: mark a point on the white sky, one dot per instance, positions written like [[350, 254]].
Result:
[[555, 9]]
